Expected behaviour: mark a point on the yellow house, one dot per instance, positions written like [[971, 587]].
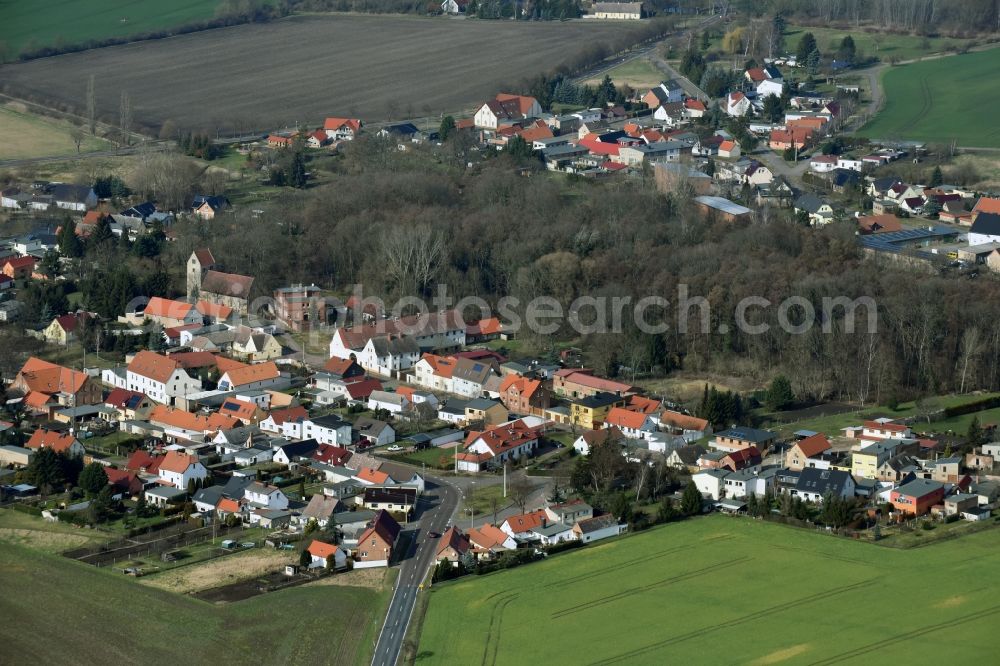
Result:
[[491, 412], [866, 462], [256, 347], [62, 330], [591, 411]]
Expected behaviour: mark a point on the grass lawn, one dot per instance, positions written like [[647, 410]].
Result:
[[435, 457], [25, 530], [28, 135], [831, 424], [724, 590], [639, 73], [101, 612], [32, 24], [928, 101], [481, 501], [881, 45]]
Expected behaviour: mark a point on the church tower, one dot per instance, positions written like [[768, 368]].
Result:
[[200, 262]]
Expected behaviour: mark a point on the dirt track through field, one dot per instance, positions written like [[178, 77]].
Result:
[[304, 68]]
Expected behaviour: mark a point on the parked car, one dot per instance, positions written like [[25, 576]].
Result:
[[395, 447]]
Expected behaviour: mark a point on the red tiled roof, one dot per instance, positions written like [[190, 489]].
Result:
[[49, 439], [253, 373], [292, 414], [683, 421], [360, 390], [505, 437], [333, 124], [164, 307], [322, 549], [204, 256], [154, 366], [177, 461], [625, 418], [813, 445]]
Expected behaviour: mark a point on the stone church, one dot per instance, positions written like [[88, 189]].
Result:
[[206, 282]]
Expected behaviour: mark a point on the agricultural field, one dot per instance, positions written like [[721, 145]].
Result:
[[929, 101], [100, 612], [725, 590], [638, 73], [30, 135], [299, 70], [33, 25]]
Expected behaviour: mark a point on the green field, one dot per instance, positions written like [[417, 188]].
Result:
[[936, 101], [884, 46], [29, 135], [639, 73], [724, 590], [98, 616], [31, 24]]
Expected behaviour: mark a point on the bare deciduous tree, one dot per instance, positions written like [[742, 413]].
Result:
[[410, 257], [125, 118], [91, 106], [970, 349]]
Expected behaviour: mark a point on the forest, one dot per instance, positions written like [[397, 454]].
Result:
[[400, 223]]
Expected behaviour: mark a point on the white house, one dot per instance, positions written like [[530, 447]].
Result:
[[770, 87], [321, 554], [161, 378], [635, 425], [178, 469], [815, 484], [737, 104], [508, 441], [506, 109], [394, 403], [251, 377], [595, 529], [710, 482], [260, 495], [389, 355], [329, 429]]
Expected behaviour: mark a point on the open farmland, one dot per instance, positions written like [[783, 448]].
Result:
[[930, 101], [101, 616], [703, 590], [28, 135], [34, 24], [301, 69]]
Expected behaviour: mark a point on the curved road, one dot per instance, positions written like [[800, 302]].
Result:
[[439, 503]]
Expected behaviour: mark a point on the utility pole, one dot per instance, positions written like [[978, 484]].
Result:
[[505, 479]]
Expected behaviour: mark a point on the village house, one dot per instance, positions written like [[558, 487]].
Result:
[[617, 10], [323, 555], [453, 546], [397, 500], [46, 387], [736, 439], [488, 541], [60, 442], [667, 92], [507, 442], [805, 452], [208, 207], [522, 395], [179, 469], [342, 129], [505, 109], [585, 443], [255, 347], [818, 211], [375, 544], [917, 497], [814, 484], [63, 329], [250, 377], [580, 383], [300, 307], [591, 411], [633, 424], [719, 207], [159, 377]]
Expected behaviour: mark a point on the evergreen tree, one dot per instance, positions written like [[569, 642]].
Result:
[[936, 177], [69, 242], [975, 435], [102, 232], [93, 478], [847, 51], [297, 171], [666, 512], [46, 470], [519, 149], [780, 395], [773, 109], [705, 40], [446, 128], [807, 44], [691, 500], [305, 559]]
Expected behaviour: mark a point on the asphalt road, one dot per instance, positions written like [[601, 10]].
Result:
[[440, 504]]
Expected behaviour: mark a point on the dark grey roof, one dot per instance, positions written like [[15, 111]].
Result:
[[299, 449], [919, 487], [689, 454], [395, 345], [235, 486], [748, 434], [597, 523], [70, 192], [329, 421], [809, 202], [987, 224], [210, 495], [598, 400], [822, 481], [391, 495]]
